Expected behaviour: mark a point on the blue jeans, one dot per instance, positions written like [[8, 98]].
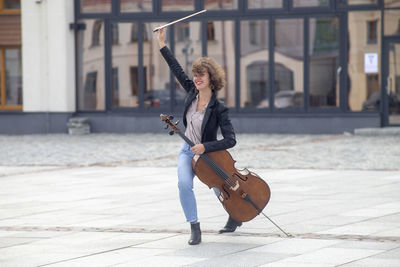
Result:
[[185, 183]]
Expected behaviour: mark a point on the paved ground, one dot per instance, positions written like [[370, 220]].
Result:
[[111, 200]]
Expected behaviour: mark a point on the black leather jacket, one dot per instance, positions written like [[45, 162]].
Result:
[[216, 113]]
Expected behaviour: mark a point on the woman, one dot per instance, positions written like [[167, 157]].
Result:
[[203, 115]]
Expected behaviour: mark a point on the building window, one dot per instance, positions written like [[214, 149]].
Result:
[[10, 78], [10, 6], [357, 89], [91, 81], [220, 4], [115, 87], [95, 6], [173, 5], [134, 73], [255, 4], [222, 50], [312, 3], [114, 34], [210, 31], [358, 2], [135, 33], [89, 96], [96, 32], [254, 64], [289, 63], [182, 32], [324, 62], [90, 66], [372, 37], [253, 32], [398, 27], [136, 6]]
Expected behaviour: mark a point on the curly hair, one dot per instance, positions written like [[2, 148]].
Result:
[[216, 72]]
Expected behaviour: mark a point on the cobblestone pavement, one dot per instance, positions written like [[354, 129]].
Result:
[[339, 152]]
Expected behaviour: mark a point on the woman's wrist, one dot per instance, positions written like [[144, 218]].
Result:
[[161, 44]]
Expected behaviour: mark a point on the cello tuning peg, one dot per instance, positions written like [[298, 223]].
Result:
[[176, 123], [171, 132], [170, 117]]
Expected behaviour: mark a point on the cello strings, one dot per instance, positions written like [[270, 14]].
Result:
[[219, 171]]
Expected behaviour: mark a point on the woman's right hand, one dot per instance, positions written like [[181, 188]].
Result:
[[161, 38]]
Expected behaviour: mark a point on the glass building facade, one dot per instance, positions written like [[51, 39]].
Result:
[[280, 56], [292, 66]]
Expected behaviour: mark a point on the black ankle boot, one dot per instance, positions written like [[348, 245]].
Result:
[[195, 236], [230, 226]]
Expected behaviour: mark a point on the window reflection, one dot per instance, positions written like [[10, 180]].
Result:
[[11, 4], [372, 28], [13, 77], [360, 90], [187, 50], [310, 3], [253, 4], [136, 5], [125, 64], [96, 30], [173, 5], [393, 86], [392, 3], [392, 21], [222, 49], [95, 6], [90, 50], [254, 68], [288, 64], [135, 33], [220, 4], [156, 74], [114, 34], [1, 76], [358, 2], [324, 62]]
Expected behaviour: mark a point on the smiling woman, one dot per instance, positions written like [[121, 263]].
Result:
[[203, 116]]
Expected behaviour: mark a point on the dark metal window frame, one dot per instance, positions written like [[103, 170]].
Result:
[[386, 40], [242, 13]]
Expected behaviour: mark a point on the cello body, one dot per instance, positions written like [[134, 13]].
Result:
[[236, 189], [243, 194]]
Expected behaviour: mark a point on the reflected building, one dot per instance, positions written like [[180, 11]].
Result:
[[317, 66]]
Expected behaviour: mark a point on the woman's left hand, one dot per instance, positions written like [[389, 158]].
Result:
[[198, 149]]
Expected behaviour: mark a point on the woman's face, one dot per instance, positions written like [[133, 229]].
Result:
[[202, 80]]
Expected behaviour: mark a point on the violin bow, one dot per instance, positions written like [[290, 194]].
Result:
[[178, 20]]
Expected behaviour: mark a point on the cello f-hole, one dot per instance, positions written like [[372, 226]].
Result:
[[244, 179]]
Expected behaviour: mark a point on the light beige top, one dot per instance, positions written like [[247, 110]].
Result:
[[194, 121]]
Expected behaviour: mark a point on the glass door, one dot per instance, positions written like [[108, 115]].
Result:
[[392, 83]]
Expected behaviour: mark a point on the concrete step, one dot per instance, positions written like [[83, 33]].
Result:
[[385, 131]]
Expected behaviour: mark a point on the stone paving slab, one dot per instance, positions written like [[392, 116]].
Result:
[[131, 216]]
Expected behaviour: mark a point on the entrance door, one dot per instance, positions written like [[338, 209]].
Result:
[[391, 83]]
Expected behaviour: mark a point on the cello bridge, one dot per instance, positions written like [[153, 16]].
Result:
[[236, 186]]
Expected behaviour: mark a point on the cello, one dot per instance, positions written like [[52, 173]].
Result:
[[242, 193]]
